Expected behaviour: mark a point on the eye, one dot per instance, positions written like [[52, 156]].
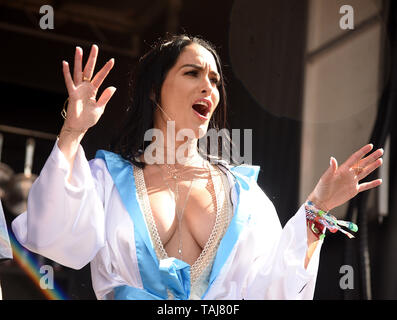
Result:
[[193, 73], [216, 81]]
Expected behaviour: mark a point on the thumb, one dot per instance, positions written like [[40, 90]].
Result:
[[333, 165]]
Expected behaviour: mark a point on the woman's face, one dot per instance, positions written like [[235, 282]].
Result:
[[190, 94]]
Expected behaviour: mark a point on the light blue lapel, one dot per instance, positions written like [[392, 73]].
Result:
[[123, 177], [156, 275], [244, 177]]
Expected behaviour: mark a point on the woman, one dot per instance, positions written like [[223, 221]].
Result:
[[185, 227]]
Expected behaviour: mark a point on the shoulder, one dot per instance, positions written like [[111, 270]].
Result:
[[247, 177], [112, 161], [105, 162], [247, 172], [110, 157]]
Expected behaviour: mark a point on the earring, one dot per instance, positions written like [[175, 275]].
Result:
[[169, 119]]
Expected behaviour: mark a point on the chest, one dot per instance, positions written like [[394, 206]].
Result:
[[191, 214], [185, 216]]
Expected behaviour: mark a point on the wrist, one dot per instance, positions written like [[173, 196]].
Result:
[[70, 137], [71, 132], [320, 204]]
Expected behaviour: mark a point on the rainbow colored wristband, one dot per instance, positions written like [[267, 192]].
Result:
[[328, 221]]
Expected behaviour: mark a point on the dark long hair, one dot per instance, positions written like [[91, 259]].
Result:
[[147, 82]]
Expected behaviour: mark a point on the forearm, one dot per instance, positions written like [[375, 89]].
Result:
[[312, 242], [68, 143], [312, 239]]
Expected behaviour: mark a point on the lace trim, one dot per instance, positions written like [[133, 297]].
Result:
[[222, 221]]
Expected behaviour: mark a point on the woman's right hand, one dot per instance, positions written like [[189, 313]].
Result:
[[83, 109]]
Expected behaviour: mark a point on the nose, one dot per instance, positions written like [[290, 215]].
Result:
[[206, 86]]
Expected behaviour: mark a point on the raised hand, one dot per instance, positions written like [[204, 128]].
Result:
[[340, 184], [83, 109]]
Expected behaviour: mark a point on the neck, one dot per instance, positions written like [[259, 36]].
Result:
[[176, 148], [181, 153]]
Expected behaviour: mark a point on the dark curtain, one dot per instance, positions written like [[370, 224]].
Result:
[[384, 284], [267, 42], [373, 256]]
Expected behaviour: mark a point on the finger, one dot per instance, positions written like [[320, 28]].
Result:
[[333, 166], [371, 158], [101, 75], [369, 185], [105, 96], [77, 73], [355, 157], [373, 166], [68, 78], [90, 65]]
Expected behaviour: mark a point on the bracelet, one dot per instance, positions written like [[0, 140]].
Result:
[[317, 228], [319, 221], [63, 112]]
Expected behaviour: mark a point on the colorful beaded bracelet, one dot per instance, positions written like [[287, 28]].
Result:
[[319, 221]]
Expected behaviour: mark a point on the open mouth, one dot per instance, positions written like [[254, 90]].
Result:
[[202, 110]]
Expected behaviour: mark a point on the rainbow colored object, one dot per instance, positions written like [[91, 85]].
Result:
[[30, 266]]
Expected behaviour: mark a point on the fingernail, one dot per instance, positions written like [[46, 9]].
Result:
[[330, 161]]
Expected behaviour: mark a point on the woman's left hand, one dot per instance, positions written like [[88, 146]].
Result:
[[340, 184]]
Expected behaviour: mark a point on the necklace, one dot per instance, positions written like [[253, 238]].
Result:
[[175, 194]]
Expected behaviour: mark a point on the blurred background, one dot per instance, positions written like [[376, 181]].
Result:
[[308, 88]]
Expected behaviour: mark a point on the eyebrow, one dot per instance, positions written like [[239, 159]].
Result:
[[196, 66]]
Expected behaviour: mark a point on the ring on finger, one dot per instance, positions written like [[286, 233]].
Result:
[[358, 170], [86, 79]]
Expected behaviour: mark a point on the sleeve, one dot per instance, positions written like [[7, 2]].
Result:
[[5, 245], [64, 221], [282, 274], [277, 254]]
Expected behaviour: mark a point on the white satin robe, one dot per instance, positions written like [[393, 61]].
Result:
[[85, 221]]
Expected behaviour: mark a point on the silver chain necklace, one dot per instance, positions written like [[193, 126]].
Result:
[[175, 176]]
